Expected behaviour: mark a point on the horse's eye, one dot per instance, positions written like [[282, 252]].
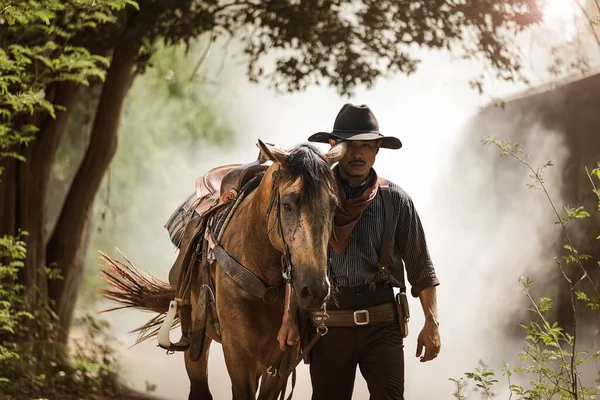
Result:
[[287, 207]]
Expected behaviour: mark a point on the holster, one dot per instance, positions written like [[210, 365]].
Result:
[[403, 313]]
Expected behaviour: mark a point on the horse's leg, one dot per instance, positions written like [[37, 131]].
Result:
[[248, 351], [249, 335], [242, 369], [198, 373]]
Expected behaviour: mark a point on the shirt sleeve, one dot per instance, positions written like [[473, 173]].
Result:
[[411, 245]]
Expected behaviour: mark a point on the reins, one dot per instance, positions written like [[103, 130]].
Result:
[[275, 369]]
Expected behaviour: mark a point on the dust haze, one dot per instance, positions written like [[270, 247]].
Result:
[[482, 236]]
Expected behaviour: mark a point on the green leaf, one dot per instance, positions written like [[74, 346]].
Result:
[[596, 172], [570, 248], [582, 296], [545, 304]]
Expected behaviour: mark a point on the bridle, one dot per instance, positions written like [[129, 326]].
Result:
[[287, 271], [287, 267]]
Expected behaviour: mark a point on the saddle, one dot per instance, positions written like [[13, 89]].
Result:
[[219, 186], [186, 226]]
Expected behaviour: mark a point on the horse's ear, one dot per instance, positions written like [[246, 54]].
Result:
[[336, 153], [272, 153]]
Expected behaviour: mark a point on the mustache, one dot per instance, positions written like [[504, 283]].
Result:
[[357, 162]]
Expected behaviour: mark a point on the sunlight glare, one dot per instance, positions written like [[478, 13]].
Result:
[[561, 15]]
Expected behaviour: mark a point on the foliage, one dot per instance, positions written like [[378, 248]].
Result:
[[12, 313], [552, 358], [28, 366], [21, 328], [343, 43], [91, 373], [40, 53], [347, 43]]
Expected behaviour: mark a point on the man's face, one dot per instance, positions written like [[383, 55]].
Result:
[[359, 157]]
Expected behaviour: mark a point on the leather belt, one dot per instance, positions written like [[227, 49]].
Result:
[[347, 318]]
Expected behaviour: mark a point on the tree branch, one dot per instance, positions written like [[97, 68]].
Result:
[[538, 179], [590, 21], [202, 57]]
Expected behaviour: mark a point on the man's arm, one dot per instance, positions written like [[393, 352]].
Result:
[[411, 245], [288, 332], [429, 336]]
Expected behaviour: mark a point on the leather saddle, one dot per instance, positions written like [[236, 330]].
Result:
[[217, 187], [221, 184]]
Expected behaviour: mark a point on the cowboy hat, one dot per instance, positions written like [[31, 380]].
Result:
[[356, 123]]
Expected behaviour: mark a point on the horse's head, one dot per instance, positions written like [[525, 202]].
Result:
[[302, 203]]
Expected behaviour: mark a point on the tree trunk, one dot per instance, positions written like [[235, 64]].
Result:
[[8, 196], [24, 189], [64, 247], [73, 145]]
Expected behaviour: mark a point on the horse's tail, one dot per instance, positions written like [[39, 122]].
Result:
[[134, 288]]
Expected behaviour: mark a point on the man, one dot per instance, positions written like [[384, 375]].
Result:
[[363, 324]]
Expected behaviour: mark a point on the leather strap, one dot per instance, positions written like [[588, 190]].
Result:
[[346, 318], [200, 320], [244, 277], [388, 206], [276, 368], [384, 256]]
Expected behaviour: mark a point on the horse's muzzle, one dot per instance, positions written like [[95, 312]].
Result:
[[312, 294]]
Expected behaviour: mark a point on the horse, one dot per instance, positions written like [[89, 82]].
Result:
[[288, 216]]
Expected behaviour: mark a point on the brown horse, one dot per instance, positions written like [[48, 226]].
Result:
[[301, 185]]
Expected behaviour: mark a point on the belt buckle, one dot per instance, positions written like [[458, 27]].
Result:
[[361, 317]]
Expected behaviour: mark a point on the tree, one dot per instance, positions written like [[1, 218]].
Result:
[[168, 111], [42, 64], [50, 50]]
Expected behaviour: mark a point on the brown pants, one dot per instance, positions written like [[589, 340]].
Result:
[[378, 351]]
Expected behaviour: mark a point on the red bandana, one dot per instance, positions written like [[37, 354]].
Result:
[[350, 211]]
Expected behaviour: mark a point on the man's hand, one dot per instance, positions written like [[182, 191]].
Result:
[[288, 333], [430, 339], [429, 336]]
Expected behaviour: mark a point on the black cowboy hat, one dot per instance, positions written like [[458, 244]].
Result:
[[356, 123]]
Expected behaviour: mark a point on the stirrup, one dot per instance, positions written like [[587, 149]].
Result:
[[164, 339]]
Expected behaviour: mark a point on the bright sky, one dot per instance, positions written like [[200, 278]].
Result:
[[562, 14]]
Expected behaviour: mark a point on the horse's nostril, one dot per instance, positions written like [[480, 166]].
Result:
[[313, 295], [305, 292]]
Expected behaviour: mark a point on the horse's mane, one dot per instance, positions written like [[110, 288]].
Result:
[[309, 164]]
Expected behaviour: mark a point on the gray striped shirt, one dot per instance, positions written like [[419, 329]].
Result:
[[359, 263]]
